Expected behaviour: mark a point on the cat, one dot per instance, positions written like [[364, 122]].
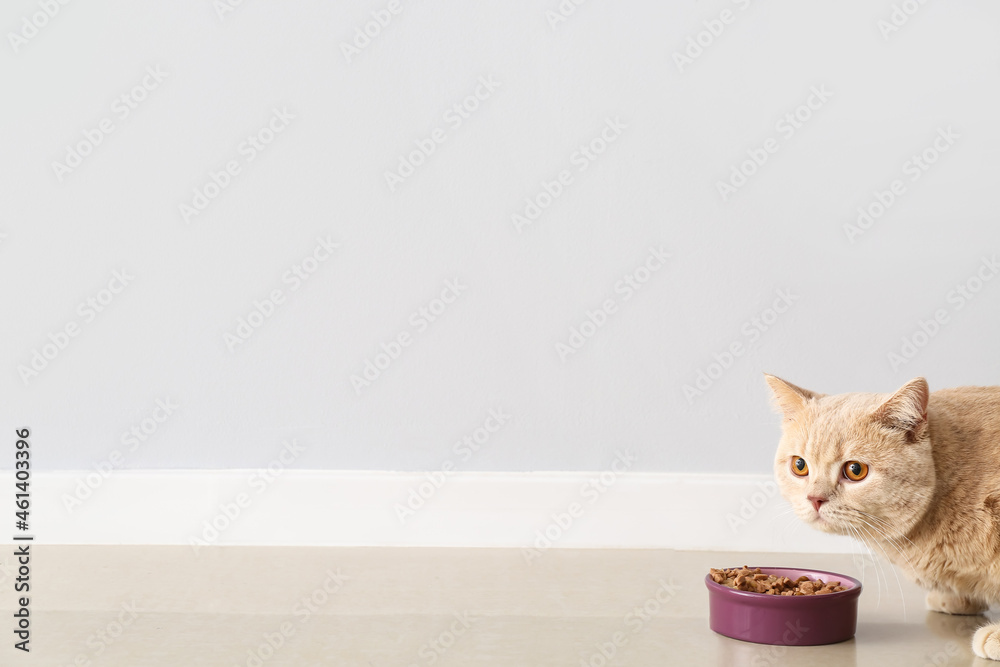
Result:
[[914, 474]]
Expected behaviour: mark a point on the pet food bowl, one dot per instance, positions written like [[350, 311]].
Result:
[[785, 620]]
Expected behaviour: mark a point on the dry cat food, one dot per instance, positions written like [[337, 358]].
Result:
[[755, 581]]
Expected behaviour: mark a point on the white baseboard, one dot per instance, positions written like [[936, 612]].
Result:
[[464, 509]]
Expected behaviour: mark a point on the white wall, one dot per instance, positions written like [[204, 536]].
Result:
[[163, 335]]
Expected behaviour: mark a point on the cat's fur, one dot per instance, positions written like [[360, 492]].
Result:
[[931, 499]]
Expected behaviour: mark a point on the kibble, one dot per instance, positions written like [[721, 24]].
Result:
[[755, 581]]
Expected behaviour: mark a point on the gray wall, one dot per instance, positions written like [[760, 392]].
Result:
[[672, 132]]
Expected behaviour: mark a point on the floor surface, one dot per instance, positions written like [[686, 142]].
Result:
[[376, 607]]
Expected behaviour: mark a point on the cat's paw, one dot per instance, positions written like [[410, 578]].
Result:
[[949, 603], [986, 642]]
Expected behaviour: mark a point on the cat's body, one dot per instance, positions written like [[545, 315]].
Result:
[[958, 540], [913, 474]]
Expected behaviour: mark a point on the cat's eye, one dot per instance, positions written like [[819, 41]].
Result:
[[799, 466], [855, 470]]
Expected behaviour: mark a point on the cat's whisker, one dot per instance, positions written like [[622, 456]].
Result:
[[878, 582], [780, 515], [790, 522], [791, 518], [859, 553], [898, 584], [885, 525], [867, 538], [876, 564], [883, 533], [877, 520], [865, 551], [880, 576]]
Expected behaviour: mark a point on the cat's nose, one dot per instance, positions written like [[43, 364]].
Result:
[[816, 501]]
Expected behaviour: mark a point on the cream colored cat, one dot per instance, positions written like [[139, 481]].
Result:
[[913, 473]]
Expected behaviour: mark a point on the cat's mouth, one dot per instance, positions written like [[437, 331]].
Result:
[[823, 520], [830, 521]]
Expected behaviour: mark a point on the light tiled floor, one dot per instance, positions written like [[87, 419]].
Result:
[[401, 607]]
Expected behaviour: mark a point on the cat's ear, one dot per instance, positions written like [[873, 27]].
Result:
[[906, 410], [789, 399]]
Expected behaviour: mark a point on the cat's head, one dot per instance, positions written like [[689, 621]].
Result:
[[855, 464]]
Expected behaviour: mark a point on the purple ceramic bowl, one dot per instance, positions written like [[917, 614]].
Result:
[[786, 620]]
